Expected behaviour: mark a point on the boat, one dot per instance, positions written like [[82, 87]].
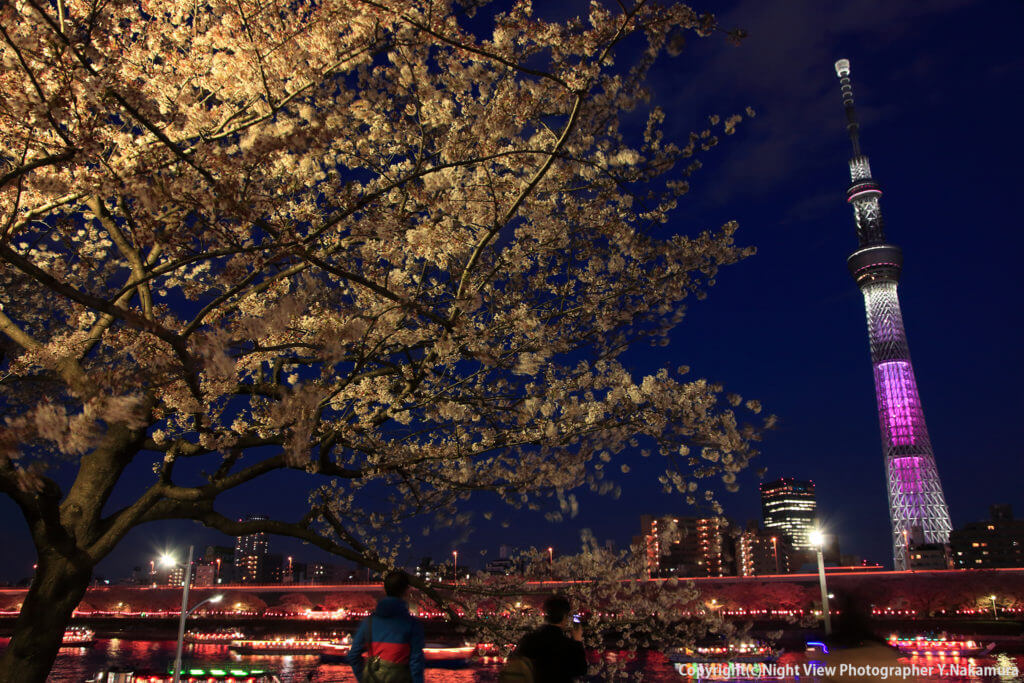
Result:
[[441, 655], [437, 655], [280, 646], [721, 650], [336, 651], [78, 636], [230, 673], [220, 636], [939, 645]]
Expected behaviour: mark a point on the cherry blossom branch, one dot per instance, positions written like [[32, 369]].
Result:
[[466, 47], [125, 104], [49, 160]]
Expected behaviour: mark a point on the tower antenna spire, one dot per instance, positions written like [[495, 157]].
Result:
[[843, 71]]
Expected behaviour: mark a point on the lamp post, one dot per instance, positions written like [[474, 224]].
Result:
[[775, 552], [817, 539], [995, 614], [168, 561], [455, 564]]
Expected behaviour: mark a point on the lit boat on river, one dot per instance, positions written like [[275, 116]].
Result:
[[938, 645], [230, 673], [280, 646], [438, 655], [78, 636], [721, 650], [221, 636]]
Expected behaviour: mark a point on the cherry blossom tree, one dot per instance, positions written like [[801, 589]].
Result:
[[350, 238], [624, 613]]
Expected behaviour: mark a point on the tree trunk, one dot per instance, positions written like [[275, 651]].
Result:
[[56, 590]]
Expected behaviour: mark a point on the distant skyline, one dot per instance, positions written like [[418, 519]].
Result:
[[935, 84]]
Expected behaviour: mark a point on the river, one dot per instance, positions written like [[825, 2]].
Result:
[[868, 663]]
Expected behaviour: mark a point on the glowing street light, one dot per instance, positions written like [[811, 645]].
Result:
[[455, 564], [167, 560], [551, 555], [775, 552], [212, 599], [817, 539], [995, 614]]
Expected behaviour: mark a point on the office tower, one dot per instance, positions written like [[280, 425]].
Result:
[[790, 510]]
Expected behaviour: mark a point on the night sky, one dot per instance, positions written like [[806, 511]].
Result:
[[938, 91]]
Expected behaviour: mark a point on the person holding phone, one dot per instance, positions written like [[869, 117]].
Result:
[[555, 649]]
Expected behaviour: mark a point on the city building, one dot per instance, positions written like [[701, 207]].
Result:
[[759, 552], [223, 560], [917, 506], [790, 510], [252, 544], [173, 576], [924, 556], [204, 574], [684, 546], [996, 542], [259, 569], [252, 559], [326, 573], [428, 571]]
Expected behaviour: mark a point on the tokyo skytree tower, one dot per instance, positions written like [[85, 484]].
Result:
[[917, 506]]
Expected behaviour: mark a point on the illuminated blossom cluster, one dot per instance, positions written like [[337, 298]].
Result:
[[351, 238], [624, 612]]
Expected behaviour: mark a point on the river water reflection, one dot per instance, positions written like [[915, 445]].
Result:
[[79, 664]]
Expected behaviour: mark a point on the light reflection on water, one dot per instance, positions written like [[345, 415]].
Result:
[[78, 664]]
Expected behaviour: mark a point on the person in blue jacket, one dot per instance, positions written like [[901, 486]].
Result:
[[391, 638]]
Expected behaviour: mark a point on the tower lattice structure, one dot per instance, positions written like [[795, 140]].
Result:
[[917, 506]]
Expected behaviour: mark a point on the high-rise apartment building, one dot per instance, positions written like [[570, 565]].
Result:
[[790, 510], [684, 546], [759, 552], [252, 544], [253, 562]]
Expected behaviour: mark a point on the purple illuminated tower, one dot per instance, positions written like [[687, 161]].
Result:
[[916, 503]]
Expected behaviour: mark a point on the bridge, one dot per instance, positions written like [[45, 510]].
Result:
[[872, 592]]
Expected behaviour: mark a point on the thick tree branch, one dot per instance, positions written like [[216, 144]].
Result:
[[48, 160]]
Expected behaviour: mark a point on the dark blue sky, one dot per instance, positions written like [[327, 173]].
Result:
[[938, 89]]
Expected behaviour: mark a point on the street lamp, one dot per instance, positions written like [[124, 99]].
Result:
[[775, 552], [817, 539], [167, 560], [995, 614], [551, 556], [455, 565]]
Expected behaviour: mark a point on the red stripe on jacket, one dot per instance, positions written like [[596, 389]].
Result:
[[392, 652]]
